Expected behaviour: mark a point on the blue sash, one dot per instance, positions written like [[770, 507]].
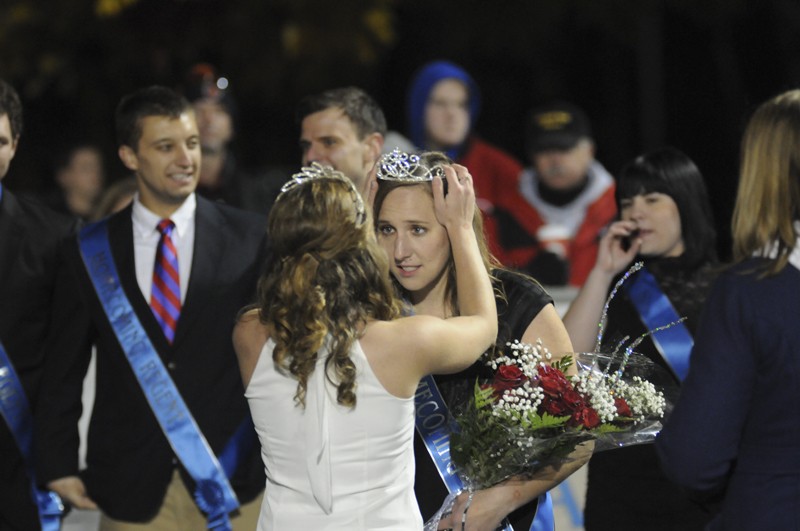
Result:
[[213, 493], [17, 414], [674, 343], [432, 421], [544, 519]]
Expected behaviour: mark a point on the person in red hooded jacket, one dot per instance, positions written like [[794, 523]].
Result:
[[443, 106]]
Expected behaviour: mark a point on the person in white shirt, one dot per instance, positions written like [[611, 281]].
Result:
[[160, 305]]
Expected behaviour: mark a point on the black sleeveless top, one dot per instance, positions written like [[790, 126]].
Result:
[[524, 299]]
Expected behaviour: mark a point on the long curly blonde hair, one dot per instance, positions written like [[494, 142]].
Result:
[[326, 278]]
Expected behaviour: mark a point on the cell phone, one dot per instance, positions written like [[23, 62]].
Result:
[[626, 241]]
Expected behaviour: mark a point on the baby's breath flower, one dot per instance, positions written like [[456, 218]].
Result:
[[516, 419]]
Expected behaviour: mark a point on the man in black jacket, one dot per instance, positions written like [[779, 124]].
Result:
[[169, 399], [29, 238]]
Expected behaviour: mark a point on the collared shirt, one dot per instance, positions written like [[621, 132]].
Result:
[[146, 238], [771, 249]]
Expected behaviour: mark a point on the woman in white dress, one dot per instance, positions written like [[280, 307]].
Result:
[[329, 368]]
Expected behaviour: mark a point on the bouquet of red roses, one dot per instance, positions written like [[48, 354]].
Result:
[[531, 414]]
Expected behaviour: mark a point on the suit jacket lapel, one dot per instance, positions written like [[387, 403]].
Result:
[[120, 233], [209, 246]]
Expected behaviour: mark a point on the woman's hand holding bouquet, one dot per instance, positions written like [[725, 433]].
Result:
[[531, 418]]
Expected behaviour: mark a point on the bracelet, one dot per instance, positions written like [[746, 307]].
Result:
[[464, 514]]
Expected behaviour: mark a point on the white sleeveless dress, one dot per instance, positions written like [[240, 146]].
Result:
[[330, 466]]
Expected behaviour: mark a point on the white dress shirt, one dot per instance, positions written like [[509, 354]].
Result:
[[146, 237]]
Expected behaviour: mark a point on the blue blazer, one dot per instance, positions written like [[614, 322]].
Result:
[[736, 428]]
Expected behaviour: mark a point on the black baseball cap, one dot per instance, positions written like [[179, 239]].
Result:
[[556, 126]]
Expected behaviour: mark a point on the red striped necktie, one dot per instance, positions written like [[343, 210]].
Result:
[[165, 296]]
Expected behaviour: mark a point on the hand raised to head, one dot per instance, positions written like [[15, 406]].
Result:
[[457, 208]]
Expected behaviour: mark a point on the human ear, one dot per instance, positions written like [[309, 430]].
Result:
[[373, 146], [14, 144], [128, 158]]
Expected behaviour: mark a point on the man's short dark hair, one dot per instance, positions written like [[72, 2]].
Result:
[[11, 106], [357, 105], [150, 101]]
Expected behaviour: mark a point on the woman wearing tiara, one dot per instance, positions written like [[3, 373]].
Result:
[[421, 258], [665, 222], [329, 369]]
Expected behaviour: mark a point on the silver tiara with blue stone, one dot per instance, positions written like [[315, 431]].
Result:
[[400, 166], [316, 172]]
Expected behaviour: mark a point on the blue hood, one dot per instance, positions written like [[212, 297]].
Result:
[[419, 92]]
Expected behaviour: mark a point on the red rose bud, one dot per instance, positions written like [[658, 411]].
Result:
[[586, 417], [555, 407], [552, 381], [508, 377], [623, 410], [572, 399]]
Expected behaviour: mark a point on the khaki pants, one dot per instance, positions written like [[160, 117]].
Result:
[[180, 513]]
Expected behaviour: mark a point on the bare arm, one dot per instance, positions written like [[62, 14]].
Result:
[[584, 313], [548, 327], [490, 506], [249, 337], [470, 334]]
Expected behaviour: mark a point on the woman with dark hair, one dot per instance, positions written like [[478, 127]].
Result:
[[329, 368], [665, 221], [735, 429]]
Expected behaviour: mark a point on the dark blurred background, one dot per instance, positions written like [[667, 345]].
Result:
[[681, 72]]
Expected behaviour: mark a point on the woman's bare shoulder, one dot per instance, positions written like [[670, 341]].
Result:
[[404, 330], [250, 334], [388, 348]]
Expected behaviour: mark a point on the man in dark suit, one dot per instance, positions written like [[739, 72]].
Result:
[[29, 236], [141, 472]]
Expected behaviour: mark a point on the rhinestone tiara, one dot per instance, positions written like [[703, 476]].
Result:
[[400, 166], [317, 171]]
